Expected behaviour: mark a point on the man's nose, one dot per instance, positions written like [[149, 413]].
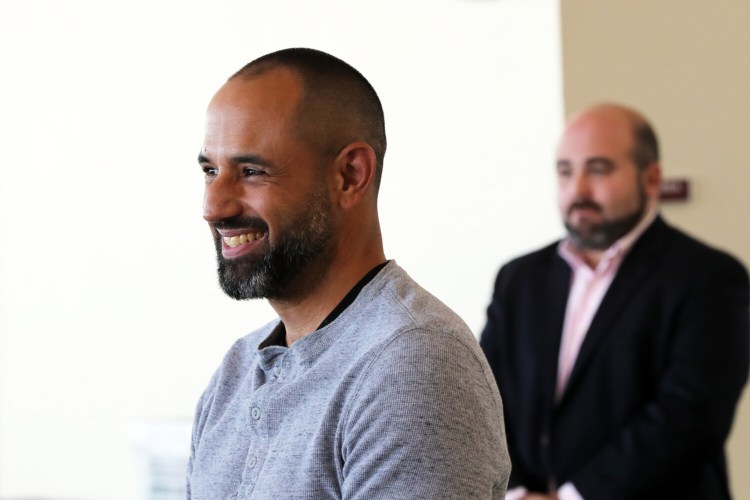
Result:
[[222, 199], [581, 185]]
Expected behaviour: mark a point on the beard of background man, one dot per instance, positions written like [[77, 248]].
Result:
[[593, 236], [303, 245]]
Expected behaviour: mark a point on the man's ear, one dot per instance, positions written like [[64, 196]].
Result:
[[653, 178], [355, 173]]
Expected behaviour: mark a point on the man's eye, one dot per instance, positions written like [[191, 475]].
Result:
[[251, 172], [600, 169], [209, 171]]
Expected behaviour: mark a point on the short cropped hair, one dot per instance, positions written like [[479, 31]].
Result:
[[338, 105]]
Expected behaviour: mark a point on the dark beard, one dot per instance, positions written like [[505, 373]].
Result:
[[303, 248], [602, 236]]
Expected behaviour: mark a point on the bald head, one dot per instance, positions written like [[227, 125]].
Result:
[[608, 176], [338, 105], [615, 118]]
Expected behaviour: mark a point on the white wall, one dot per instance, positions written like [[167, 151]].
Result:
[[109, 308]]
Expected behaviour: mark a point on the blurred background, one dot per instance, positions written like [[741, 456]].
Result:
[[111, 319]]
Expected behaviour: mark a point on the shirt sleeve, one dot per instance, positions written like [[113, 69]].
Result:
[[516, 493], [425, 422], [199, 420], [568, 492]]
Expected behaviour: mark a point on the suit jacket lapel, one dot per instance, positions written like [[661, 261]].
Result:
[[635, 268], [555, 287]]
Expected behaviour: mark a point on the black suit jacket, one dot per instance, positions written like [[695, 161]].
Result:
[[650, 400]]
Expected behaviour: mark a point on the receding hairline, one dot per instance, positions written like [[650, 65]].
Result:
[[334, 94], [645, 148]]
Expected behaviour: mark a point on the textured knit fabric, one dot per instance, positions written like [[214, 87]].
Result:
[[392, 400]]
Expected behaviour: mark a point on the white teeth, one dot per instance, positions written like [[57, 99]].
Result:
[[237, 240]]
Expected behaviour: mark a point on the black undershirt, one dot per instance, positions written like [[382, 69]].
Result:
[[279, 336], [349, 298]]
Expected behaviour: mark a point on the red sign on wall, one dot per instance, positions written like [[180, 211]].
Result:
[[675, 190]]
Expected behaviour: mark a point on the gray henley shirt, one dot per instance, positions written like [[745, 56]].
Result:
[[392, 400]]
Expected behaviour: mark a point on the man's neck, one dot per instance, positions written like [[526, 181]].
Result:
[[302, 316], [590, 256]]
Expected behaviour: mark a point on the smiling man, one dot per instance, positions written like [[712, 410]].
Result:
[[366, 386], [621, 350]]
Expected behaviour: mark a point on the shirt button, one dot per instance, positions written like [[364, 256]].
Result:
[[251, 463], [255, 412]]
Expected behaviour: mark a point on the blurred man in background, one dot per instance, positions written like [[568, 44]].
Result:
[[620, 351]]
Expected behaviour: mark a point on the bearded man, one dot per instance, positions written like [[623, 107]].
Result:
[[366, 386], [621, 350]]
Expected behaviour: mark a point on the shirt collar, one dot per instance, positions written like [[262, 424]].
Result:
[[278, 334]]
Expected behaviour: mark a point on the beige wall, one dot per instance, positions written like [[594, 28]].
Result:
[[685, 64]]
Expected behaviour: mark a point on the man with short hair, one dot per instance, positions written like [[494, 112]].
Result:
[[621, 350], [366, 387]]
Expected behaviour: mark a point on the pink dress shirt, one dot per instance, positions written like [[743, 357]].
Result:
[[587, 289]]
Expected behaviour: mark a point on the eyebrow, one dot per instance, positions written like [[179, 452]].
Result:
[[589, 161], [599, 159], [248, 158]]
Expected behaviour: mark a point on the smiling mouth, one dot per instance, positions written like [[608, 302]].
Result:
[[240, 239]]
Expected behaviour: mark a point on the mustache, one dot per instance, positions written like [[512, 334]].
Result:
[[253, 223], [585, 204]]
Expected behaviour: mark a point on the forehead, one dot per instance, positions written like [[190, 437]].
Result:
[[602, 133], [251, 112]]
